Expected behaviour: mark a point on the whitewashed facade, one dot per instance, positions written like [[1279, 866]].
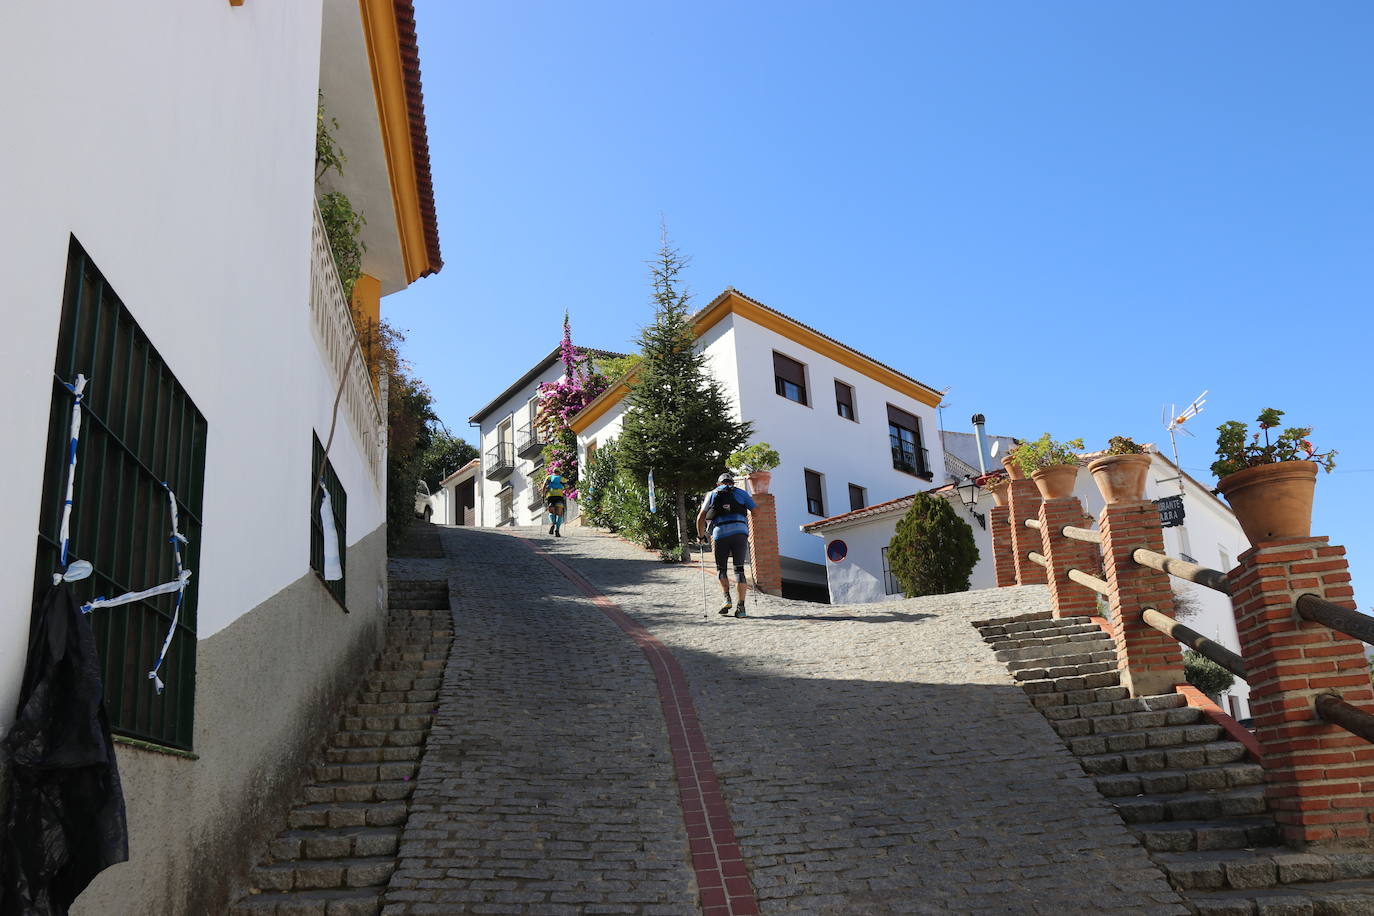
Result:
[[181, 182], [740, 337]]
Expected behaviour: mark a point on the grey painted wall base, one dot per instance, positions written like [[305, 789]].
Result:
[[269, 688]]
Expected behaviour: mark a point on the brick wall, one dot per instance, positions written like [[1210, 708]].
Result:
[[763, 544]]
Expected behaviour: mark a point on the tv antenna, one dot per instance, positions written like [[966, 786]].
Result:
[[1174, 420]]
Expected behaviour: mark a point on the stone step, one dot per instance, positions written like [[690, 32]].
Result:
[[1125, 722], [379, 682], [1003, 623], [1143, 739], [363, 737], [364, 772], [371, 754], [323, 874], [347, 814], [383, 723], [389, 790], [1219, 833], [1201, 779], [1053, 662], [1182, 757], [365, 710], [335, 843], [1066, 673], [1333, 898], [366, 901], [1070, 636], [1043, 700], [1070, 684], [1124, 706], [382, 697], [1242, 869], [1243, 801]]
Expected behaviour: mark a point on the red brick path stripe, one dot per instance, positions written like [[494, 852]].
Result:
[[721, 874]]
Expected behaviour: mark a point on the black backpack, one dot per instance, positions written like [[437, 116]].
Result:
[[724, 503]]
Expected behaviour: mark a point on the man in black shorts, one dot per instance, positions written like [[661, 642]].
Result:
[[726, 510]]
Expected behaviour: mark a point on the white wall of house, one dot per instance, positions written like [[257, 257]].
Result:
[[815, 437], [527, 506], [858, 578], [204, 233]]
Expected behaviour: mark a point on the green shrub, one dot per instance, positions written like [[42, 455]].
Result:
[[1205, 674], [932, 551], [1046, 453], [618, 500]]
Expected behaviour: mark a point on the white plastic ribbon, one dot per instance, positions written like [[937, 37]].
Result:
[[165, 588], [65, 536], [333, 569], [183, 577], [653, 505]]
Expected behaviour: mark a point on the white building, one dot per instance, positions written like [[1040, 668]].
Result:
[[1209, 535], [455, 502], [160, 237], [511, 448], [850, 431]]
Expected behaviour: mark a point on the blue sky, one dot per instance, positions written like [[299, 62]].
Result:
[[1070, 213]]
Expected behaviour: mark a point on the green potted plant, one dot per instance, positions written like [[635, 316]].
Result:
[[1011, 462], [996, 484], [1052, 464], [1269, 486], [756, 462], [1120, 474]]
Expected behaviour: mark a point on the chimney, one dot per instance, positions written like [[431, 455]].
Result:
[[981, 435]]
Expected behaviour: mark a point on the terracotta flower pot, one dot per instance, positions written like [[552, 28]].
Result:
[[1121, 478], [1272, 500], [1013, 468], [999, 489], [759, 480], [1057, 481]]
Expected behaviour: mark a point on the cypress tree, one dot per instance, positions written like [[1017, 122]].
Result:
[[932, 551], [679, 423]]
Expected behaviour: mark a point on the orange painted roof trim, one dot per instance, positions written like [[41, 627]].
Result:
[[394, 53], [732, 301]]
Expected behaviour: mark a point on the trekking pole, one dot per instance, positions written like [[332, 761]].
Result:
[[701, 561]]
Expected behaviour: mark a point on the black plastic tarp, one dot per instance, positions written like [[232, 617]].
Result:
[[65, 822]]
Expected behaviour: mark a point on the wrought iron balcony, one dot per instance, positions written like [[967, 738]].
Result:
[[912, 461], [528, 442], [500, 461]]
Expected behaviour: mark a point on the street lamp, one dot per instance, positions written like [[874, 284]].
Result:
[[968, 493]]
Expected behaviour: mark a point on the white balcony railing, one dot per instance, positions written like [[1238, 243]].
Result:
[[337, 336]]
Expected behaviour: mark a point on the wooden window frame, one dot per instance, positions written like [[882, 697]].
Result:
[[841, 404], [863, 497], [819, 498], [783, 379]]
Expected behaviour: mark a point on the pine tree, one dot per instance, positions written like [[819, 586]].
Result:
[[932, 552], [679, 423]]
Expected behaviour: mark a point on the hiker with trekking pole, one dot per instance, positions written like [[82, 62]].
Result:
[[725, 510]]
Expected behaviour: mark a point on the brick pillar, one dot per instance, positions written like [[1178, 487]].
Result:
[[1318, 777], [1024, 502], [763, 544], [1150, 662], [1070, 599], [999, 525]]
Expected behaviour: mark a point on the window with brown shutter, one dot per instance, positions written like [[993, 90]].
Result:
[[789, 378], [858, 497], [904, 435], [844, 400], [815, 498]]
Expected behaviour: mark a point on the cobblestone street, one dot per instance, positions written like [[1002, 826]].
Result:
[[872, 759]]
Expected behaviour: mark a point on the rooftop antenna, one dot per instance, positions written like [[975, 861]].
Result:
[[1173, 420]]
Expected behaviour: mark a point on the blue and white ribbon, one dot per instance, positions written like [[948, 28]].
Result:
[[77, 389], [653, 502]]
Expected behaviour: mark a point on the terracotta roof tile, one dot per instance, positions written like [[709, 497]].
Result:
[[419, 136]]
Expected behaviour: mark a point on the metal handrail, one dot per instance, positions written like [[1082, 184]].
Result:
[[1082, 534], [1331, 708], [1089, 580], [1033, 523], [1192, 572], [1038, 558], [1340, 619], [1194, 640]]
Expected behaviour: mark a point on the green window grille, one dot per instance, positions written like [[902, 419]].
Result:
[[339, 500], [139, 429]]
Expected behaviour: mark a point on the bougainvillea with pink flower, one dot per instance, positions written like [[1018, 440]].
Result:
[[559, 402]]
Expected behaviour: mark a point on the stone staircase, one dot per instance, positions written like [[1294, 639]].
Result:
[[1185, 788], [339, 849]]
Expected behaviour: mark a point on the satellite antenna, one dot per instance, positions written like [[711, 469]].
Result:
[[1173, 420], [996, 447]]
